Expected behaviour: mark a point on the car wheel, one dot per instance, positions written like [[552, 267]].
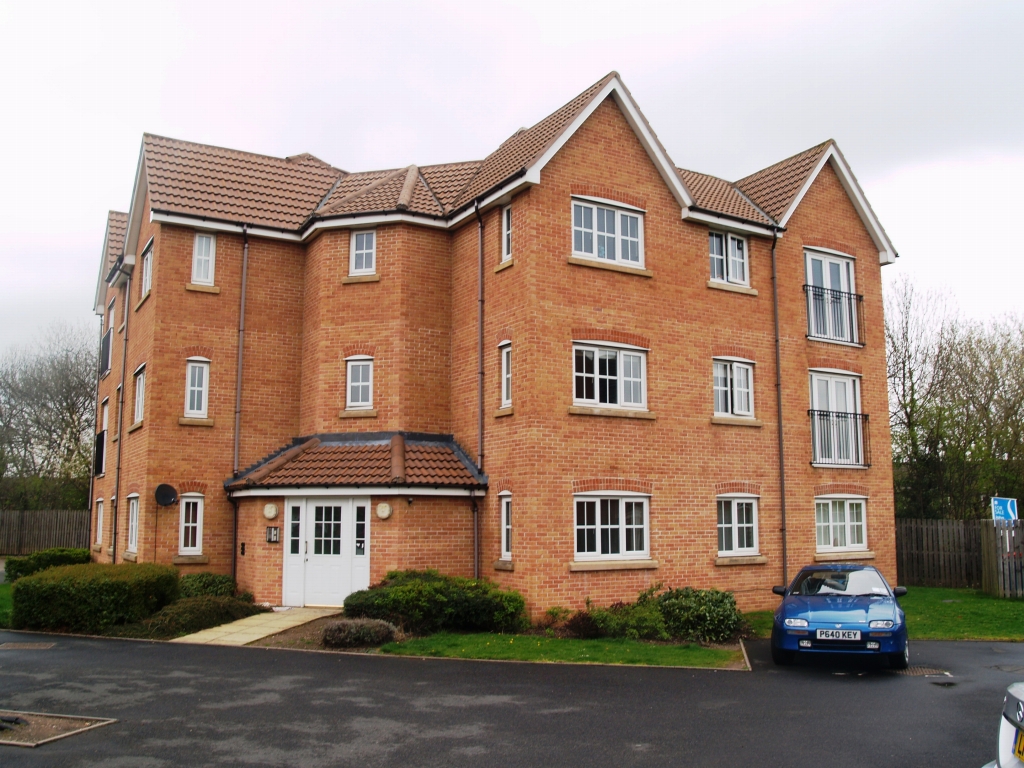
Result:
[[900, 660], [781, 657]]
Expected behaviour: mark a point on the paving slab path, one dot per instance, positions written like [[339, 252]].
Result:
[[252, 628]]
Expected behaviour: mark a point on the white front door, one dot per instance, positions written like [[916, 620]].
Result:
[[327, 555]]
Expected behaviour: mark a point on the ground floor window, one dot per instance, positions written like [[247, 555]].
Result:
[[506, 526], [737, 526], [611, 527], [840, 524], [99, 521], [191, 538], [133, 524]]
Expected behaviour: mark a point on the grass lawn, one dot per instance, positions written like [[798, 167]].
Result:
[[934, 613], [5, 605], [534, 648]]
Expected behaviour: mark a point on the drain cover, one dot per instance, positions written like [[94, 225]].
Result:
[[25, 646], [921, 671], [30, 729]]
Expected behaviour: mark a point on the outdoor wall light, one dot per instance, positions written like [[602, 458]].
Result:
[[270, 512], [384, 511]]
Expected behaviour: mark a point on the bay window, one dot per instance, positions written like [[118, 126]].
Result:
[[197, 387], [607, 233], [190, 530], [360, 383], [609, 376], [611, 527]]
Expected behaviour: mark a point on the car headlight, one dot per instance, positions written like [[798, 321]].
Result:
[[798, 622], [886, 624]]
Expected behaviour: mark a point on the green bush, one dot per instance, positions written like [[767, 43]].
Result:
[[18, 567], [188, 615], [581, 625], [207, 584], [89, 598], [636, 621], [358, 633], [424, 602], [706, 615]]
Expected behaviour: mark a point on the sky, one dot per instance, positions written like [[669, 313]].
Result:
[[926, 100]]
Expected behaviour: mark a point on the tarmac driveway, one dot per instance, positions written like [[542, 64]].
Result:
[[202, 705]]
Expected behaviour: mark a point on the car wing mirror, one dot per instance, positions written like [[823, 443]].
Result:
[[899, 591], [782, 591]]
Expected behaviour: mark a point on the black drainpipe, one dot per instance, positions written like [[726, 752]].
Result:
[[778, 405], [120, 409], [480, 337], [238, 397]]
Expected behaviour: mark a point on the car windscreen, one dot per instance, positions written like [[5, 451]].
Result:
[[849, 583]]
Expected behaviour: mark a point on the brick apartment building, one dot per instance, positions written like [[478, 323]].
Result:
[[555, 367]]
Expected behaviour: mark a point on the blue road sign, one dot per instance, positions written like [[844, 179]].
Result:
[[1004, 509]]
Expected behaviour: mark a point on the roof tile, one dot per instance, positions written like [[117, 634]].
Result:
[[117, 226], [774, 188], [720, 196]]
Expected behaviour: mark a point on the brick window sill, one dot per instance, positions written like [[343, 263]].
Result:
[[141, 302], [638, 271], [506, 411], [504, 265], [137, 425], [190, 559], [186, 421], [732, 288], [612, 565], [504, 565], [621, 413], [835, 557], [736, 421], [131, 557], [360, 279], [369, 413], [742, 560], [202, 288]]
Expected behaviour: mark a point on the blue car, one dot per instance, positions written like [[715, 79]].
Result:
[[840, 608]]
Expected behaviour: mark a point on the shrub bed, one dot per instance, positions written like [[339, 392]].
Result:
[[89, 598], [18, 567], [424, 602], [188, 615], [207, 584], [358, 633]]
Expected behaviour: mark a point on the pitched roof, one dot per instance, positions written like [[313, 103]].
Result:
[[774, 188], [720, 196], [212, 182], [113, 241], [364, 459]]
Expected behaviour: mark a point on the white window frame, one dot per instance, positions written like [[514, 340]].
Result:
[[187, 498], [598, 499], [140, 393], [99, 521], [733, 367], [840, 533], [597, 349], [728, 271], [826, 314], [506, 233], [111, 318], [505, 350], [197, 277], [734, 525], [618, 210], [133, 524], [854, 436], [350, 362], [147, 271], [204, 363], [505, 522], [353, 240]]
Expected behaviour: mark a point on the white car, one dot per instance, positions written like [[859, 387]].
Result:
[[1011, 730]]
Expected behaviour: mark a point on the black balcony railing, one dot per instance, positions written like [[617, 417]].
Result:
[[839, 439], [833, 315], [105, 346]]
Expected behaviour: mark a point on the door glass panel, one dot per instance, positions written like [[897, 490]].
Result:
[[294, 524], [360, 529], [817, 273], [823, 398], [327, 531], [835, 274]]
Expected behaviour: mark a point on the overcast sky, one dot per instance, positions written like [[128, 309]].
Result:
[[926, 100]]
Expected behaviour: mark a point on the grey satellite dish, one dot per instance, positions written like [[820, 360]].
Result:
[[166, 495]]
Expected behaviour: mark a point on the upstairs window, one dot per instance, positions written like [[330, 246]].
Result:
[[197, 387], [360, 383], [140, 393], [364, 252], [506, 374], [147, 272], [190, 529], [506, 233], [734, 388], [607, 376], [729, 262], [607, 234], [832, 303], [204, 256]]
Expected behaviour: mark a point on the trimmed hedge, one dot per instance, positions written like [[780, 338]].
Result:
[[424, 602], [207, 584], [89, 598], [637, 621], [19, 567], [188, 615], [707, 615], [358, 633]]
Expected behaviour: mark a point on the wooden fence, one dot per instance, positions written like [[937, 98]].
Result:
[[22, 533], [939, 553], [1003, 553]]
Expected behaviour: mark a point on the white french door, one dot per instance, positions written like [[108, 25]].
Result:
[[831, 301], [835, 420], [327, 550]]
